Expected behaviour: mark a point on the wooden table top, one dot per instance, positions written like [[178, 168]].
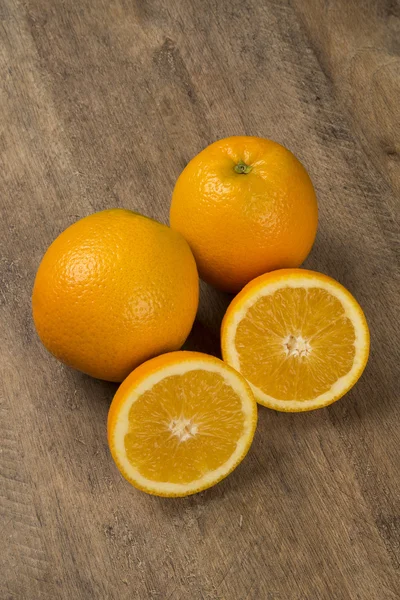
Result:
[[103, 104]]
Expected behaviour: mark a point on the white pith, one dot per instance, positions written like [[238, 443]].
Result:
[[296, 346], [184, 429], [352, 311]]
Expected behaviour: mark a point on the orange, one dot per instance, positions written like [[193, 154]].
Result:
[[113, 290], [299, 338], [246, 206], [180, 423]]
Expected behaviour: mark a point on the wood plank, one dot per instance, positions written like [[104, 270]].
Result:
[[103, 104]]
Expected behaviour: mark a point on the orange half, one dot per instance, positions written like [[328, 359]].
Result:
[[180, 423], [299, 338]]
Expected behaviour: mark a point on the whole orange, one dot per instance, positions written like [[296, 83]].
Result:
[[246, 206], [113, 290]]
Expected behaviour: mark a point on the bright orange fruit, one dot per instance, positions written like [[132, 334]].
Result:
[[299, 338], [246, 206], [113, 290], [180, 423]]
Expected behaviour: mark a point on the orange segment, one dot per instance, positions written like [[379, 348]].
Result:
[[180, 423], [299, 338]]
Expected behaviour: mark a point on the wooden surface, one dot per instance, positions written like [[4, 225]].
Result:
[[102, 105]]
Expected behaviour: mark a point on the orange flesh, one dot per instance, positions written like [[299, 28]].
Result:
[[274, 359], [183, 427]]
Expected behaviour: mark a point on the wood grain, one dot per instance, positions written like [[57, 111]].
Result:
[[103, 103]]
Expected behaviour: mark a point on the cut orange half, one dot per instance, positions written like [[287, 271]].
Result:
[[180, 423], [299, 338]]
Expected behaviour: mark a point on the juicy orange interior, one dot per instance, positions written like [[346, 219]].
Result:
[[295, 343], [184, 427]]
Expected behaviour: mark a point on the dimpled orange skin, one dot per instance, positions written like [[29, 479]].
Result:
[[241, 225], [113, 290]]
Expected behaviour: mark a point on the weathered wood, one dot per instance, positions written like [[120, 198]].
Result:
[[102, 104]]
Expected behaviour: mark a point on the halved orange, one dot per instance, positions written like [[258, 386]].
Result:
[[180, 423], [299, 338]]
